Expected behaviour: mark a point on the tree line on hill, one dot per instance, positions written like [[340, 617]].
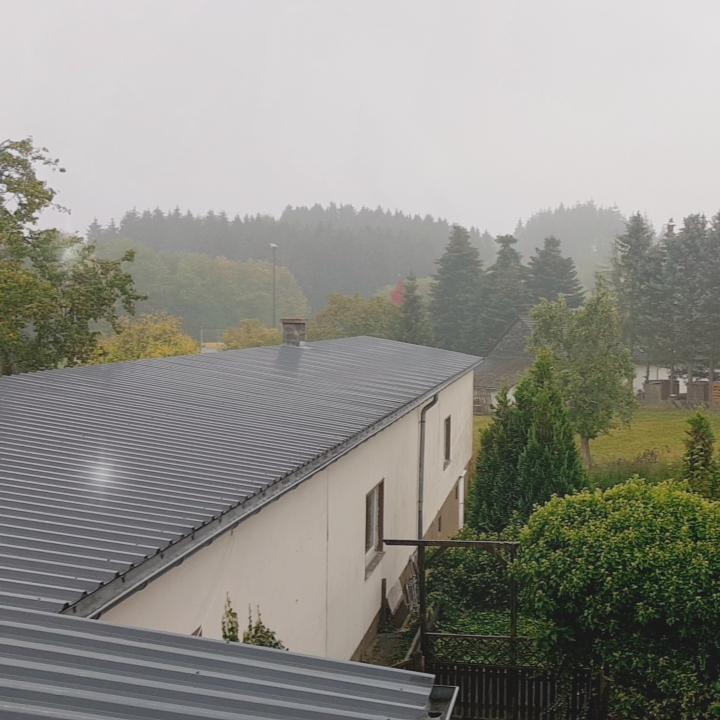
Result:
[[329, 250], [340, 249]]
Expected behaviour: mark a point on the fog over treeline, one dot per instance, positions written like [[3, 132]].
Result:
[[341, 249]]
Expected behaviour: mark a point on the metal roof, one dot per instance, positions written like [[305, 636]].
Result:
[[55, 666], [117, 470]]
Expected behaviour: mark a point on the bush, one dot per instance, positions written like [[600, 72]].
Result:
[[462, 582], [628, 582]]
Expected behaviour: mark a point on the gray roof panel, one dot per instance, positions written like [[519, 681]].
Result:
[[65, 668], [103, 467]]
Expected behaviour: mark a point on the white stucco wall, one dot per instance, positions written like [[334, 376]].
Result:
[[302, 558]]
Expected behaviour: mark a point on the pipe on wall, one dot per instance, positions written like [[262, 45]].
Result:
[[421, 467]]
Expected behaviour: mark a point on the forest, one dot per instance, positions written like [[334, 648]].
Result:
[[341, 249]]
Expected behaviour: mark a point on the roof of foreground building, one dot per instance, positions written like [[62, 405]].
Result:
[[108, 473], [65, 668]]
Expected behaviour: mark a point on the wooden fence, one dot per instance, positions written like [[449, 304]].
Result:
[[486, 692]]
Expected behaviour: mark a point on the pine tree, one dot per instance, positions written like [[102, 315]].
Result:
[[495, 494], [508, 295], [633, 274], [700, 468], [550, 463], [456, 295], [414, 322], [552, 276], [527, 453], [684, 291]]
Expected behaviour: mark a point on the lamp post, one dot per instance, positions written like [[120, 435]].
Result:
[[273, 247]]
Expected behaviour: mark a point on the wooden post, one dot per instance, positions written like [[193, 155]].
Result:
[[513, 679], [422, 607]]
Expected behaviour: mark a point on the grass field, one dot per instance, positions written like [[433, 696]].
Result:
[[656, 432]]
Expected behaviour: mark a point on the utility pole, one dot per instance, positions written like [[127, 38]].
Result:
[[273, 247]]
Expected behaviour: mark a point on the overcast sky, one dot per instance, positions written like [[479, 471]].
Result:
[[480, 111]]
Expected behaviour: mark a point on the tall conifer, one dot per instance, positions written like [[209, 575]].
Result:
[[552, 276], [456, 295]]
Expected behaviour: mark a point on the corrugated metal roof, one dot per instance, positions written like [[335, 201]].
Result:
[[107, 468], [54, 666]]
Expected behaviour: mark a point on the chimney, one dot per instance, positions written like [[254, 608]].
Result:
[[293, 331]]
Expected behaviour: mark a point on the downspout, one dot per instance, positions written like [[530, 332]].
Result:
[[421, 467]]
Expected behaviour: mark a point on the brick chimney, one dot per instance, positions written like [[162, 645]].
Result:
[[293, 331]]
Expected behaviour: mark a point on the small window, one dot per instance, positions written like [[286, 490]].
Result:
[[439, 523], [374, 520], [197, 632], [448, 440]]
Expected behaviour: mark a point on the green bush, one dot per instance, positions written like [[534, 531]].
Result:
[[627, 581], [463, 581]]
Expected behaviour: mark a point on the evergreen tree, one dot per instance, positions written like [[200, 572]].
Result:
[[684, 291], [710, 297], [508, 295], [550, 463], [632, 273], [456, 294], [414, 322], [552, 276], [527, 453], [700, 468], [495, 494]]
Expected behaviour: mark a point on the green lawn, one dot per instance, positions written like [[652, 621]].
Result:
[[657, 431]]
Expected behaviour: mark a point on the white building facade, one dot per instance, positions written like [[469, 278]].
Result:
[[302, 559]]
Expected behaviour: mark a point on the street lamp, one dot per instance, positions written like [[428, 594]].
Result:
[[273, 247]]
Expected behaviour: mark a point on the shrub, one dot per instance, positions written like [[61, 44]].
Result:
[[628, 582], [258, 633], [700, 468]]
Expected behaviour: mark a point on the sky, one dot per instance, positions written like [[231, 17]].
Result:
[[478, 111]]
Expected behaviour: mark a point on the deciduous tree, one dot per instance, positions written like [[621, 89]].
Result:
[[347, 316], [250, 333], [54, 288], [595, 365], [147, 336]]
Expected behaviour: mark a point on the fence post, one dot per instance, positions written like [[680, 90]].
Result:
[[513, 679], [422, 606]]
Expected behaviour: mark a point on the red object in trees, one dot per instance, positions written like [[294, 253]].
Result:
[[397, 296]]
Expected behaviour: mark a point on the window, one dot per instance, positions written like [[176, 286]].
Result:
[[439, 523], [448, 440], [197, 632], [374, 520]]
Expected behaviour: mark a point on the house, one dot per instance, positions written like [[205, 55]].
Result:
[[58, 667], [144, 493], [508, 361]]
